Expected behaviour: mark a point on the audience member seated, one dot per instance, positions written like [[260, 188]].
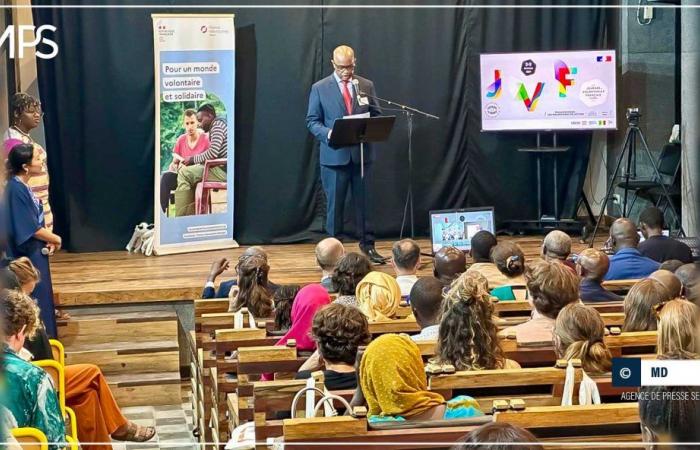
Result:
[[671, 265], [283, 301], [448, 264], [579, 333], [689, 274], [406, 261], [670, 281], [29, 396], [657, 246], [351, 269], [510, 261], [640, 303], [98, 417], [378, 296], [481, 244], [252, 291], [394, 385], [591, 266], [328, 253], [499, 436], [221, 265], [338, 331], [308, 301], [679, 330], [467, 338], [552, 286], [665, 419], [557, 247], [426, 303], [627, 263]]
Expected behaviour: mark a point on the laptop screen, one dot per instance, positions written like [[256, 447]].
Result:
[[455, 227]]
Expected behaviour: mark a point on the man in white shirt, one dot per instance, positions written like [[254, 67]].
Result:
[[406, 261]]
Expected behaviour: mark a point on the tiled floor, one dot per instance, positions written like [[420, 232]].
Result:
[[173, 427]]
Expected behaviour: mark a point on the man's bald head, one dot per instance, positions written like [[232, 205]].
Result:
[[328, 253], [255, 250], [689, 275], [449, 263], [557, 245], [669, 281], [592, 264], [623, 233]]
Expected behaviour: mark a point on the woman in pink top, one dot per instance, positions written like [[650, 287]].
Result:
[[193, 142]]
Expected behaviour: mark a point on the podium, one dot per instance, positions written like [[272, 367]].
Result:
[[361, 130]]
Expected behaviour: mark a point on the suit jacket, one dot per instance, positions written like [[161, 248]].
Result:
[[325, 105]]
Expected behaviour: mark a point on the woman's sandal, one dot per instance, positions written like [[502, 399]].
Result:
[[135, 433]]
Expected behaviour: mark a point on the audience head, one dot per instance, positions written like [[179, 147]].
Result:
[[592, 264], [467, 337], [482, 243], [8, 280], [310, 299], [23, 160], [623, 234], [651, 222], [671, 265], [556, 245], [378, 296], [328, 253], [679, 330], [406, 257], [689, 274], [351, 268], [509, 259], [665, 419], [252, 282], [205, 116], [669, 281], [639, 305], [392, 378], [448, 264], [20, 317], [338, 331], [552, 286], [283, 300], [498, 433], [578, 334], [426, 301], [26, 111], [27, 275]]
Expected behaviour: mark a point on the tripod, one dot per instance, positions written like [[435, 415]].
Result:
[[629, 149]]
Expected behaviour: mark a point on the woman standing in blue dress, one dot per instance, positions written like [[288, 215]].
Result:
[[27, 234]]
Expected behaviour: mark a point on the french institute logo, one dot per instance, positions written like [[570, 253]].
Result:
[[21, 37]]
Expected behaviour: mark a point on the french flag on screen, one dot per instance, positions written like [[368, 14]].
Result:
[[606, 58]]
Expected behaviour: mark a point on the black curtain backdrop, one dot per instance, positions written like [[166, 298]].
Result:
[[98, 97]]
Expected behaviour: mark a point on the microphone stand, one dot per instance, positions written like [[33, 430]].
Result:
[[409, 112]]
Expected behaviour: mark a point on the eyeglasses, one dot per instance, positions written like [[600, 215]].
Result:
[[343, 68]]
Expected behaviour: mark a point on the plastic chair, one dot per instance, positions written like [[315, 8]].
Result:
[[202, 199], [58, 352], [55, 370], [30, 438]]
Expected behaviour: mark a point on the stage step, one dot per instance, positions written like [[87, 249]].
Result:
[[133, 357], [146, 389], [91, 329]]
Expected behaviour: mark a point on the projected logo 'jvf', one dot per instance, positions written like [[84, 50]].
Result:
[[564, 76], [530, 102], [495, 87]]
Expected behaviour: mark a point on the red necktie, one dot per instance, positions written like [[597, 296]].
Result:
[[346, 97]]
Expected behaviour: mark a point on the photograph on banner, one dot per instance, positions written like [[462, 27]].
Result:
[[195, 78]]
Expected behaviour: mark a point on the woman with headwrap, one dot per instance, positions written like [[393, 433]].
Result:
[[378, 296], [394, 385]]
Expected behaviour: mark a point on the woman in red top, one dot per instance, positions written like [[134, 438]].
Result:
[[193, 142]]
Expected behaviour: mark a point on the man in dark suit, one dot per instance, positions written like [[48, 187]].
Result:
[[332, 98]]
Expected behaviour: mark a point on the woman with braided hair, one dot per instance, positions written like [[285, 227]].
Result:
[[467, 337], [578, 334], [252, 290]]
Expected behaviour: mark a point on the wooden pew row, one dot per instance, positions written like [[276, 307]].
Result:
[[523, 308]]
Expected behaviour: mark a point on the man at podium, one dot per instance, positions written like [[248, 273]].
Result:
[[334, 97]]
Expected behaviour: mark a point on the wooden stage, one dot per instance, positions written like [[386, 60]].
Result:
[[119, 277]]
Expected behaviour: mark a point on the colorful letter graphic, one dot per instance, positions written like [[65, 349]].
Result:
[[530, 103], [563, 76], [495, 87]]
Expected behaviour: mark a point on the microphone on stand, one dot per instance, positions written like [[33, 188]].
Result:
[[356, 85]]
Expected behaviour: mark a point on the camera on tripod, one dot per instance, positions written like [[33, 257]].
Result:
[[633, 116]]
